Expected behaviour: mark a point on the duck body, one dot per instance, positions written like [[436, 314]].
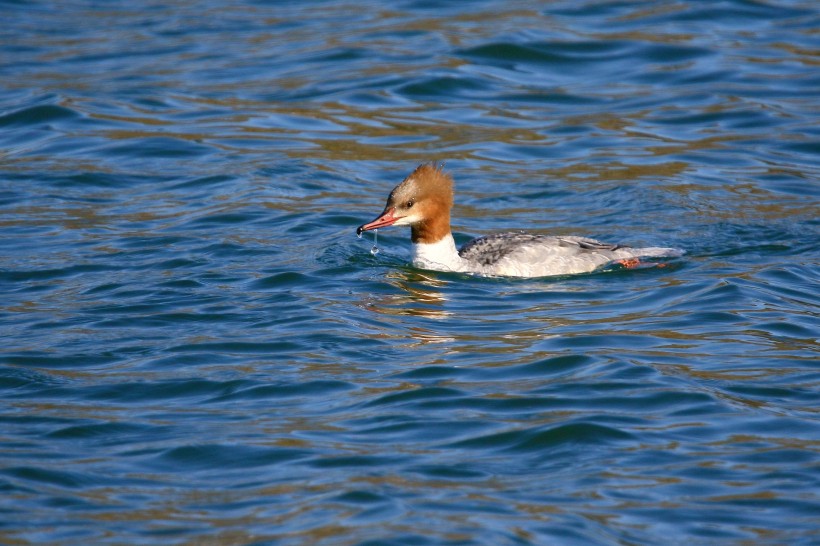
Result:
[[424, 200], [529, 255]]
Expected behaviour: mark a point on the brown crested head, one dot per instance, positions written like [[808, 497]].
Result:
[[422, 201], [426, 185]]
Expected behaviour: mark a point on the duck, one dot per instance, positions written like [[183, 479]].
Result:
[[424, 201]]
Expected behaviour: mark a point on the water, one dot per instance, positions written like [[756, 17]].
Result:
[[198, 350]]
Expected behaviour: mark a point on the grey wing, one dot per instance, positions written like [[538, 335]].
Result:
[[490, 249], [591, 244]]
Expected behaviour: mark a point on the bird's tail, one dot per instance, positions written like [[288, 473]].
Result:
[[658, 252]]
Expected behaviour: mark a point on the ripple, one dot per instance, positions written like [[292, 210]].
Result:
[[37, 115], [417, 395], [217, 456], [61, 479], [539, 440]]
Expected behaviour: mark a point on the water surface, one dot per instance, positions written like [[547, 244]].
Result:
[[198, 349]]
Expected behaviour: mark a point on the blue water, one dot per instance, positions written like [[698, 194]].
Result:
[[196, 348]]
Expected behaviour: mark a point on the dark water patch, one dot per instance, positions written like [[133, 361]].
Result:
[[225, 218], [99, 180], [354, 461], [110, 433], [302, 390], [446, 86], [202, 182], [15, 379], [435, 373], [556, 99], [178, 263], [416, 432], [672, 54], [788, 330], [207, 457], [169, 391], [498, 404], [36, 115], [34, 476], [803, 148], [141, 244], [161, 320], [582, 341], [777, 396], [290, 279], [416, 395], [188, 361], [143, 314], [360, 497], [450, 472], [55, 360], [539, 440], [237, 347], [156, 147], [740, 13], [550, 367], [22, 278], [548, 52]]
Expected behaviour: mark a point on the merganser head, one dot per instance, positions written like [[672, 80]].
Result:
[[422, 201]]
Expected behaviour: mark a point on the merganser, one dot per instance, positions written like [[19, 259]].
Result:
[[423, 202]]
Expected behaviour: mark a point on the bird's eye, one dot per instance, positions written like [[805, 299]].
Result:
[[410, 204]]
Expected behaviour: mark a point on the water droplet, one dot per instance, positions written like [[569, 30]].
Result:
[[375, 249]]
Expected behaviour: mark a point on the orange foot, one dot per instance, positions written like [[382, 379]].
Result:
[[630, 263]]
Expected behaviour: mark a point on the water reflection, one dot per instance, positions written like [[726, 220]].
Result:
[[417, 293]]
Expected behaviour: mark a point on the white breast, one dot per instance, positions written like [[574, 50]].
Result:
[[439, 256]]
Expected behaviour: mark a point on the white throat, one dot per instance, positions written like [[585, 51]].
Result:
[[439, 256]]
